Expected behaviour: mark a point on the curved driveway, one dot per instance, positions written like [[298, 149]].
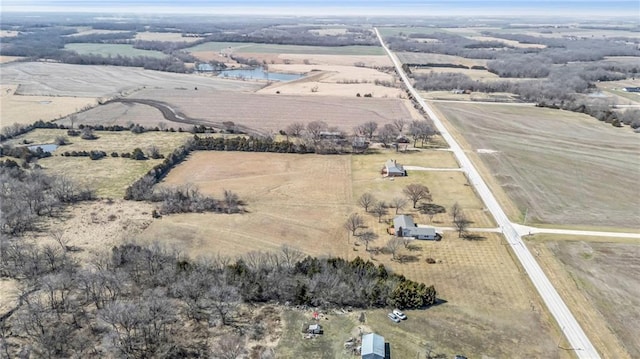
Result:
[[570, 327]]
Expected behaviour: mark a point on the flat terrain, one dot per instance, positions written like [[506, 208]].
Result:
[[284, 202], [52, 79], [425, 58], [29, 109], [480, 75], [112, 50], [561, 167], [108, 176], [303, 200], [598, 277], [271, 112], [164, 36], [247, 47]]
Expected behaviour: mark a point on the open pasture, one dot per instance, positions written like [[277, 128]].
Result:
[[271, 112], [53, 79], [425, 58], [559, 167], [248, 47], [112, 50], [446, 187], [118, 113], [29, 109], [297, 200], [598, 279], [164, 36], [479, 75]]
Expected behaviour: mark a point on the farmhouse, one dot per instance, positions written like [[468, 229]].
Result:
[[373, 347], [404, 227], [393, 169]]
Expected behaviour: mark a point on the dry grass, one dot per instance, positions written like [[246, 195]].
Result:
[[4, 59], [164, 36], [424, 58], [598, 279], [507, 42], [621, 97], [53, 79], [284, 201], [479, 75], [29, 109], [562, 167], [270, 112], [302, 201]]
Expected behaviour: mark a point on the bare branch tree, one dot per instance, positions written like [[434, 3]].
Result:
[[295, 129], [398, 203], [393, 245], [455, 211], [380, 209], [399, 124], [353, 223], [461, 223], [366, 200], [369, 128], [366, 238], [417, 192]]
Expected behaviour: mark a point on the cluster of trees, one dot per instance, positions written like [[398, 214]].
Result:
[[143, 302], [250, 144], [12, 131], [23, 153], [26, 195]]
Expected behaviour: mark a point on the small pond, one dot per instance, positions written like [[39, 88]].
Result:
[[259, 73], [45, 148]]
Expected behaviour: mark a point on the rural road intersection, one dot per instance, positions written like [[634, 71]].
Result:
[[578, 340]]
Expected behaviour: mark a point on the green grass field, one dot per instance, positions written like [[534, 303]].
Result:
[[248, 47], [112, 50]]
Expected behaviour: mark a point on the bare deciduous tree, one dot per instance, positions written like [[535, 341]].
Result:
[[353, 223], [399, 124], [455, 211], [461, 223], [393, 245], [314, 128], [380, 209], [369, 128], [366, 238], [295, 129], [387, 134], [398, 203], [366, 200], [230, 346], [417, 192]]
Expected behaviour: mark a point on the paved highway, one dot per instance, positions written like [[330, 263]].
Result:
[[570, 327]]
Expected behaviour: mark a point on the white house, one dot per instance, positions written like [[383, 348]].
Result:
[[372, 347], [404, 226]]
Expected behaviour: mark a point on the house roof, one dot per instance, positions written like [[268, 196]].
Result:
[[403, 221], [372, 346], [393, 167]]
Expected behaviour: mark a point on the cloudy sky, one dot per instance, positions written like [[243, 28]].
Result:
[[335, 7]]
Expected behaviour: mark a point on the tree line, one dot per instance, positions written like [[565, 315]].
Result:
[[143, 302]]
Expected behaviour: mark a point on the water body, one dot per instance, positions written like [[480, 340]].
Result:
[[45, 148], [258, 73]]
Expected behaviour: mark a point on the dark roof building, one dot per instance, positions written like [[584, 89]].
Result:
[[393, 169], [404, 226], [372, 346]]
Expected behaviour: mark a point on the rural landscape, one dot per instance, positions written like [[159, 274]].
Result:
[[284, 186]]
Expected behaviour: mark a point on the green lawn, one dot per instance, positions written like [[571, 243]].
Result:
[[248, 47], [112, 50]]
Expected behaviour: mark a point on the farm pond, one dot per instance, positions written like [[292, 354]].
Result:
[[45, 148], [259, 73]]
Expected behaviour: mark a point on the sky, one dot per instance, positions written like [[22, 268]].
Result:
[[563, 8]]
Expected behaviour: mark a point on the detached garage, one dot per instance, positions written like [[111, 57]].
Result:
[[373, 347]]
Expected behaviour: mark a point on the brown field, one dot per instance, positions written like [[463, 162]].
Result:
[[621, 97], [85, 30], [557, 165], [285, 205], [331, 80], [598, 278], [507, 42], [424, 58], [4, 59], [497, 97], [118, 113], [29, 109], [446, 187], [270, 112], [53, 79], [108, 176], [480, 75], [164, 36], [302, 201]]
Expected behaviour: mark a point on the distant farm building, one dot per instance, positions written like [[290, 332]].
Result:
[[404, 226], [631, 89], [315, 329], [204, 68], [393, 169], [373, 347]]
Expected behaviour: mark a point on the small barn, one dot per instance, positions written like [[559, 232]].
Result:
[[315, 329], [393, 169], [373, 347], [404, 226]]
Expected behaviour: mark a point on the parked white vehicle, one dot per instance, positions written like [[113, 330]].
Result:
[[394, 318], [399, 314]]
